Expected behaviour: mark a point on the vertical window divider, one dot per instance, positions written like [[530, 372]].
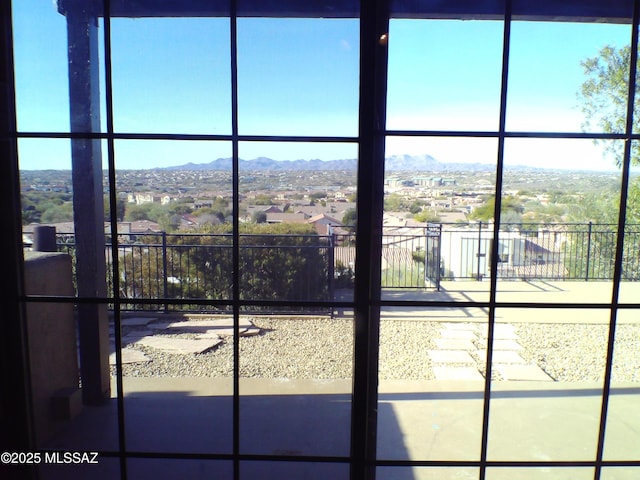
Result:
[[495, 244], [233, 32], [622, 213], [16, 397], [113, 217], [374, 23]]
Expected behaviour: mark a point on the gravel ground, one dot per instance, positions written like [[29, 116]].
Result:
[[322, 348]]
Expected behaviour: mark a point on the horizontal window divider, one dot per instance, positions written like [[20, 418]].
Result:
[[297, 138], [225, 456], [185, 136], [487, 304], [506, 463], [496, 134]]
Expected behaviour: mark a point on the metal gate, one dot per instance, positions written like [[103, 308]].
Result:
[[432, 260]]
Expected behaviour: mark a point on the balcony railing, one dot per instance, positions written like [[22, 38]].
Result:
[[315, 268]]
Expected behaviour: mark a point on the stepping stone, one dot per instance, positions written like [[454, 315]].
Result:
[[504, 327], [129, 355], [504, 356], [215, 333], [504, 331], [133, 337], [454, 344], [460, 326], [458, 334], [224, 325], [522, 372], [450, 356], [457, 373], [506, 345], [250, 332], [179, 345], [136, 321]]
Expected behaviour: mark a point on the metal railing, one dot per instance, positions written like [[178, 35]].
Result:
[[314, 267]]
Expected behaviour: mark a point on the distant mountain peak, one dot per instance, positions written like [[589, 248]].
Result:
[[393, 163]]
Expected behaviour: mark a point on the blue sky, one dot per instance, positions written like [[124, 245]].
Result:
[[300, 77]]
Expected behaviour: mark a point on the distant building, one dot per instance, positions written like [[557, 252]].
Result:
[[142, 198], [324, 223], [280, 217]]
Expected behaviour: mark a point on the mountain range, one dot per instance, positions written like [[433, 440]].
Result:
[[415, 163]]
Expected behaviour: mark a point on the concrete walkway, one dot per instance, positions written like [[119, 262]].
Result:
[[530, 293]]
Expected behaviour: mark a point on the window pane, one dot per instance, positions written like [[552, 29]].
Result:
[[176, 221], [558, 222], [177, 376], [295, 200], [307, 470], [431, 384], [620, 473], [547, 383], [426, 473], [444, 75], [630, 257], [108, 467], [184, 469], [546, 75], [623, 416], [311, 89], [42, 67], [533, 473], [435, 225], [171, 75]]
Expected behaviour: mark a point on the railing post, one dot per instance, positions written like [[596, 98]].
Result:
[[331, 260], [164, 271], [479, 253], [589, 231], [439, 259], [44, 239]]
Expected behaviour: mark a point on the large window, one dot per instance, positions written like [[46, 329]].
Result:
[[389, 240]]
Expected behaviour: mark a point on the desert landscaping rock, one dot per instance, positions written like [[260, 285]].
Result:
[[129, 355], [322, 348], [179, 345]]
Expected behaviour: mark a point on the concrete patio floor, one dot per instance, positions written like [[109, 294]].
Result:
[[417, 420]]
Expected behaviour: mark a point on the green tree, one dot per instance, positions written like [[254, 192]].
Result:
[[263, 199], [510, 212], [120, 208], [426, 216], [350, 218], [259, 217], [603, 98], [394, 203], [277, 262], [58, 213], [135, 212]]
